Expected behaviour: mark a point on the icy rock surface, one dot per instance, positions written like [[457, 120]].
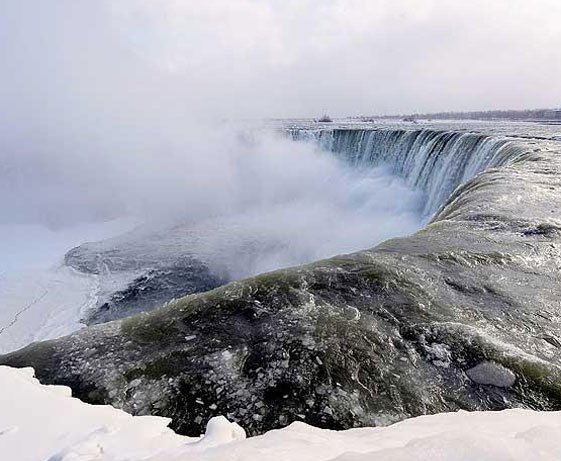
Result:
[[363, 339]]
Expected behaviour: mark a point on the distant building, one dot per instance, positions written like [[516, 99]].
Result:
[[324, 119]]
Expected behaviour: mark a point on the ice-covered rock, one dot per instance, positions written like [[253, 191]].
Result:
[[491, 373]]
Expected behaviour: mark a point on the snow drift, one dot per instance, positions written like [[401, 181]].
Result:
[[40, 423]]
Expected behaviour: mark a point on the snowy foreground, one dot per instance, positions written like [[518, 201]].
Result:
[[45, 423]]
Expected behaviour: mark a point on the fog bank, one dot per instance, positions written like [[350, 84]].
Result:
[[103, 117]]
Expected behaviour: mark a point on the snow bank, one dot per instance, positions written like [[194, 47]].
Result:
[[45, 423]]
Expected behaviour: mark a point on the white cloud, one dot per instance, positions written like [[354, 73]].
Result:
[[285, 58], [350, 56]]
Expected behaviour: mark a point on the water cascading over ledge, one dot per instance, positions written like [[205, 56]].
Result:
[[464, 314], [434, 161]]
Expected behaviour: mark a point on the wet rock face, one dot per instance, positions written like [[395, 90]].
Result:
[[462, 315], [154, 288]]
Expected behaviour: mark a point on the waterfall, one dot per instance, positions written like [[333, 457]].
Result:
[[431, 160]]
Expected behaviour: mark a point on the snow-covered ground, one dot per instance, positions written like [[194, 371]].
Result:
[[40, 297], [39, 423], [43, 304]]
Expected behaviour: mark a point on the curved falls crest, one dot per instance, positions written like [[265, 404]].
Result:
[[434, 161]]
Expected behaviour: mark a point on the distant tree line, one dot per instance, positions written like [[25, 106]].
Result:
[[534, 114]]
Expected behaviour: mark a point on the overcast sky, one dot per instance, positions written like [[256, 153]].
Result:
[[103, 103], [278, 58]]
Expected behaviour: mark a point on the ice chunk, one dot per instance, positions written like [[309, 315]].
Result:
[[491, 373]]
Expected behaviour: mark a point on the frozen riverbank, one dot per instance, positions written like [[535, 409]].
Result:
[[40, 297]]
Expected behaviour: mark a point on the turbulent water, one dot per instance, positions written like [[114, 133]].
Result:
[[248, 203], [387, 182], [296, 203], [462, 314]]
